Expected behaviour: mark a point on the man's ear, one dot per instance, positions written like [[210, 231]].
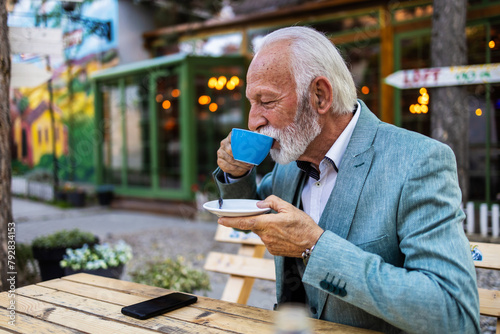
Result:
[[321, 94]]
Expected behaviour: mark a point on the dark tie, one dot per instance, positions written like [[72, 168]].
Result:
[[310, 171]]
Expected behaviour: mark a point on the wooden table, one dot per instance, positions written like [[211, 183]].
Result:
[[91, 304]]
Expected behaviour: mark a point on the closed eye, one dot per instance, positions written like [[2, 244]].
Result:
[[266, 103]]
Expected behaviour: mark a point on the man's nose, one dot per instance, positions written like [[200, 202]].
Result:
[[256, 119]]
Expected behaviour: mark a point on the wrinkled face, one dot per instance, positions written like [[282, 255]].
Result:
[[296, 137], [275, 109]]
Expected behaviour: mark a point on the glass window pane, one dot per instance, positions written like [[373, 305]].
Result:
[[415, 54], [334, 26], [415, 116], [137, 132], [476, 47], [495, 117], [220, 95], [495, 142], [169, 145], [218, 45], [494, 43], [113, 136], [412, 13], [363, 62]]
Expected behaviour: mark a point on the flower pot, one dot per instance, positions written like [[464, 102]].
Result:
[[105, 197], [48, 262], [111, 272], [61, 196], [76, 198]]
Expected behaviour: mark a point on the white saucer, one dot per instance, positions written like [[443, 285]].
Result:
[[235, 208]]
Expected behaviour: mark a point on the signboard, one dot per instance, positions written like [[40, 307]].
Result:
[[445, 76], [42, 41], [73, 38], [28, 75]]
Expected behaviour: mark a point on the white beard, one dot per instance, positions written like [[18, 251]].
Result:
[[296, 137]]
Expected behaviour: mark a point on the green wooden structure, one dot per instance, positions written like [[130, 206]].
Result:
[[159, 123]]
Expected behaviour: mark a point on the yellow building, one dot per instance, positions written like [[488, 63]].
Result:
[[33, 135]]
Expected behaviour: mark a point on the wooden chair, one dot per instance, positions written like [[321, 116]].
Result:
[[487, 256], [243, 267]]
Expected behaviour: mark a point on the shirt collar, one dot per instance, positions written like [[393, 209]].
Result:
[[336, 152]]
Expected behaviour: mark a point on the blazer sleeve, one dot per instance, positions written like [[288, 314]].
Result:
[[246, 187], [435, 290]]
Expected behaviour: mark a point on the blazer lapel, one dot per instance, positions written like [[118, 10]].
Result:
[[353, 170], [291, 186]]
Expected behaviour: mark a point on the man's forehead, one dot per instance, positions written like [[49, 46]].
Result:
[[277, 51], [269, 63]]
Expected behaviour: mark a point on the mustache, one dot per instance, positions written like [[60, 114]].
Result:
[[270, 131]]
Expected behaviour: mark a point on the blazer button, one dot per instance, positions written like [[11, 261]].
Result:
[[342, 292], [313, 310], [324, 284]]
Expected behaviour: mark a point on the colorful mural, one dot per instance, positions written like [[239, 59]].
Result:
[[34, 133]]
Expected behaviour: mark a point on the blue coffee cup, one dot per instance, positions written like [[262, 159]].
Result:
[[250, 147]]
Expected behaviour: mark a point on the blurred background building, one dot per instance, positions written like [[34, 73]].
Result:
[[171, 84]]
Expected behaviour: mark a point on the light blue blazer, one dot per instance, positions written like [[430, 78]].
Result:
[[394, 256]]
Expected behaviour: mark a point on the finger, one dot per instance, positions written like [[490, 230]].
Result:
[[233, 167], [229, 165], [275, 203], [225, 144], [241, 223]]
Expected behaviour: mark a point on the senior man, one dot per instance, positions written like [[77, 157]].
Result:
[[367, 229]]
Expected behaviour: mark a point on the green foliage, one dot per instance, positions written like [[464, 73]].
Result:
[[18, 168], [81, 141], [25, 265], [65, 239], [23, 104], [61, 204], [172, 274]]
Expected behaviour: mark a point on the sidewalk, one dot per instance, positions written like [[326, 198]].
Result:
[[150, 235]]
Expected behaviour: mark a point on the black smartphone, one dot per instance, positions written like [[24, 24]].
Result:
[[156, 306]]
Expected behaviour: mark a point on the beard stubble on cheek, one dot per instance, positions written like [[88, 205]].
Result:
[[295, 138]]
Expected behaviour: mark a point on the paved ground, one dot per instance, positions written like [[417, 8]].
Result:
[[150, 235], [159, 236]]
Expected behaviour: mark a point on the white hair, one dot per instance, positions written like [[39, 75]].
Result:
[[313, 55]]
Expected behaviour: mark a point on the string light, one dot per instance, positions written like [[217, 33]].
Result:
[[479, 112], [423, 101], [204, 99], [176, 93], [213, 107], [212, 82], [166, 104], [235, 80]]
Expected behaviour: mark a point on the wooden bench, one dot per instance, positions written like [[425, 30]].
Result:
[[244, 267], [487, 256], [249, 264]]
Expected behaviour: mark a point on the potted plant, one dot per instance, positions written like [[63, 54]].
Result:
[[172, 274], [104, 260], [105, 194], [74, 195], [49, 250]]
